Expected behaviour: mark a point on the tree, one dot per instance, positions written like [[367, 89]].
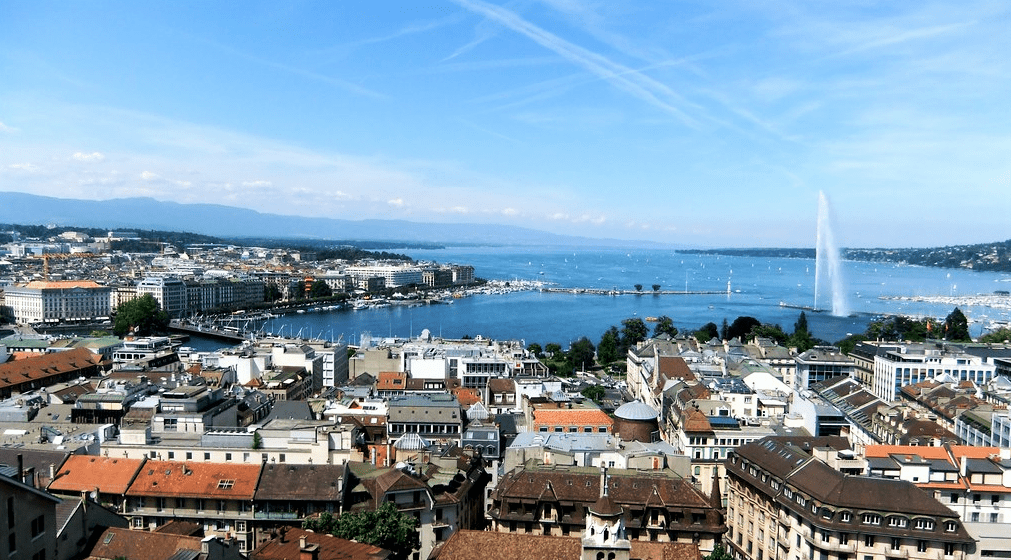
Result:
[[956, 326], [1000, 335], [385, 527], [594, 392], [552, 348], [707, 332], [271, 292], [142, 316], [801, 338], [638, 287], [741, 327], [724, 330], [320, 289], [535, 349], [772, 332], [665, 325], [718, 553], [257, 440], [633, 331], [580, 354], [656, 287], [607, 348]]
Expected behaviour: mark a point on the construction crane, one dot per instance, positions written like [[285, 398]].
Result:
[[47, 256]]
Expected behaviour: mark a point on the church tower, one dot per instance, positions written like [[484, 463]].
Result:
[[604, 536]]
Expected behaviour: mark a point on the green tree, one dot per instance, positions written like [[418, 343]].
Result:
[[385, 527], [319, 289], [1000, 335], [718, 553], [607, 348], [656, 287], [535, 349], [665, 325], [707, 332], [638, 287], [594, 392], [257, 440], [142, 316], [801, 338], [725, 330], [271, 292], [956, 326], [633, 331], [552, 348], [765, 330], [741, 327], [580, 354]]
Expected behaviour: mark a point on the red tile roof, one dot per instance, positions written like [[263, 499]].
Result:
[[42, 366], [572, 417], [331, 548], [488, 545], [221, 481], [84, 473], [124, 543], [62, 284]]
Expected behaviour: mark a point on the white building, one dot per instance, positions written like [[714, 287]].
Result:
[[395, 275], [52, 302], [170, 293], [914, 362]]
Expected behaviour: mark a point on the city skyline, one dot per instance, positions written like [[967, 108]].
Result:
[[705, 125]]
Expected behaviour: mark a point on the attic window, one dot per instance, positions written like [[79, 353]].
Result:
[[225, 484]]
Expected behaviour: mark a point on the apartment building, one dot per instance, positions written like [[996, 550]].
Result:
[[59, 301], [784, 503]]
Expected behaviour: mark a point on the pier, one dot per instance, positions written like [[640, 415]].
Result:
[[227, 334], [615, 292]]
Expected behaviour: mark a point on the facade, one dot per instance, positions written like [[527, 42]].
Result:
[[655, 506], [62, 301], [432, 416], [170, 293], [785, 503], [28, 517], [909, 363], [393, 275], [821, 363]]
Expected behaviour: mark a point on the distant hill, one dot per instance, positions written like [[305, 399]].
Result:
[[230, 222], [994, 256]]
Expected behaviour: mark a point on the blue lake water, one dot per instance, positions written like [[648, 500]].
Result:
[[757, 287]]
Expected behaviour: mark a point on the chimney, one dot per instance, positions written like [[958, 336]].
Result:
[[307, 551]]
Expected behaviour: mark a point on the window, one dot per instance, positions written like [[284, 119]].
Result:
[[995, 499], [171, 454], [872, 519], [844, 538], [994, 517], [900, 522], [38, 526], [975, 498], [925, 524], [953, 499], [868, 540], [240, 526], [896, 543], [921, 546], [602, 429], [225, 484], [542, 429], [974, 517], [280, 458], [950, 526], [845, 517], [949, 549], [559, 429], [228, 456], [189, 455], [207, 456]]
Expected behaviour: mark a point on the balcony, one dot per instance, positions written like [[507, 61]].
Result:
[[279, 515]]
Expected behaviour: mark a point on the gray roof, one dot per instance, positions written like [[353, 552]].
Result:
[[636, 410]]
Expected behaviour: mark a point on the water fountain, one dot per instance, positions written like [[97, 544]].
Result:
[[828, 264]]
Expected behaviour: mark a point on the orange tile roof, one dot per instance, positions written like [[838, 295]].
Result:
[[466, 396], [125, 543], [41, 366], [931, 452], [572, 417], [391, 380], [224, 481], [83, 473], [330, 547], [62, 284]]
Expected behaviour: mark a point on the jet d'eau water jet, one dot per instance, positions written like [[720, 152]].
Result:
[[828, 264]]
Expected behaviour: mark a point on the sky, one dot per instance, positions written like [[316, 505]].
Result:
[[713, 124]]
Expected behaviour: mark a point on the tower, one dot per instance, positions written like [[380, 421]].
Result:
[[604, 536]]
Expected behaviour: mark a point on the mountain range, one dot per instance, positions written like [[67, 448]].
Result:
[[231, 222]]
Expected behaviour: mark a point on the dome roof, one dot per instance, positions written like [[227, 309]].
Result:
[[636, 410]]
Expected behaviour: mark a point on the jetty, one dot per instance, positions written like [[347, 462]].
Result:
[[616, 292], [227, 334]]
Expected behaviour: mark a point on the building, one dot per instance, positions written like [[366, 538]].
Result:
[[171, 293], [28, 517], [899, 365], [59, 301], [785, 503], [432, 416], [655, 506], [821, 363]]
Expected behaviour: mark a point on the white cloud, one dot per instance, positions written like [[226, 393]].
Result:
[[257, 184], [558, 216], [7, 129], [93, 156], [398, 202], [149, 176], [510, 212], [23, 167], [459, 210]]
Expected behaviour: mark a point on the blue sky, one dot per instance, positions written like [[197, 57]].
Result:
[[695, 123]]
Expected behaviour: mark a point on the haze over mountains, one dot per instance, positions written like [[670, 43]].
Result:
[[226, 221]]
